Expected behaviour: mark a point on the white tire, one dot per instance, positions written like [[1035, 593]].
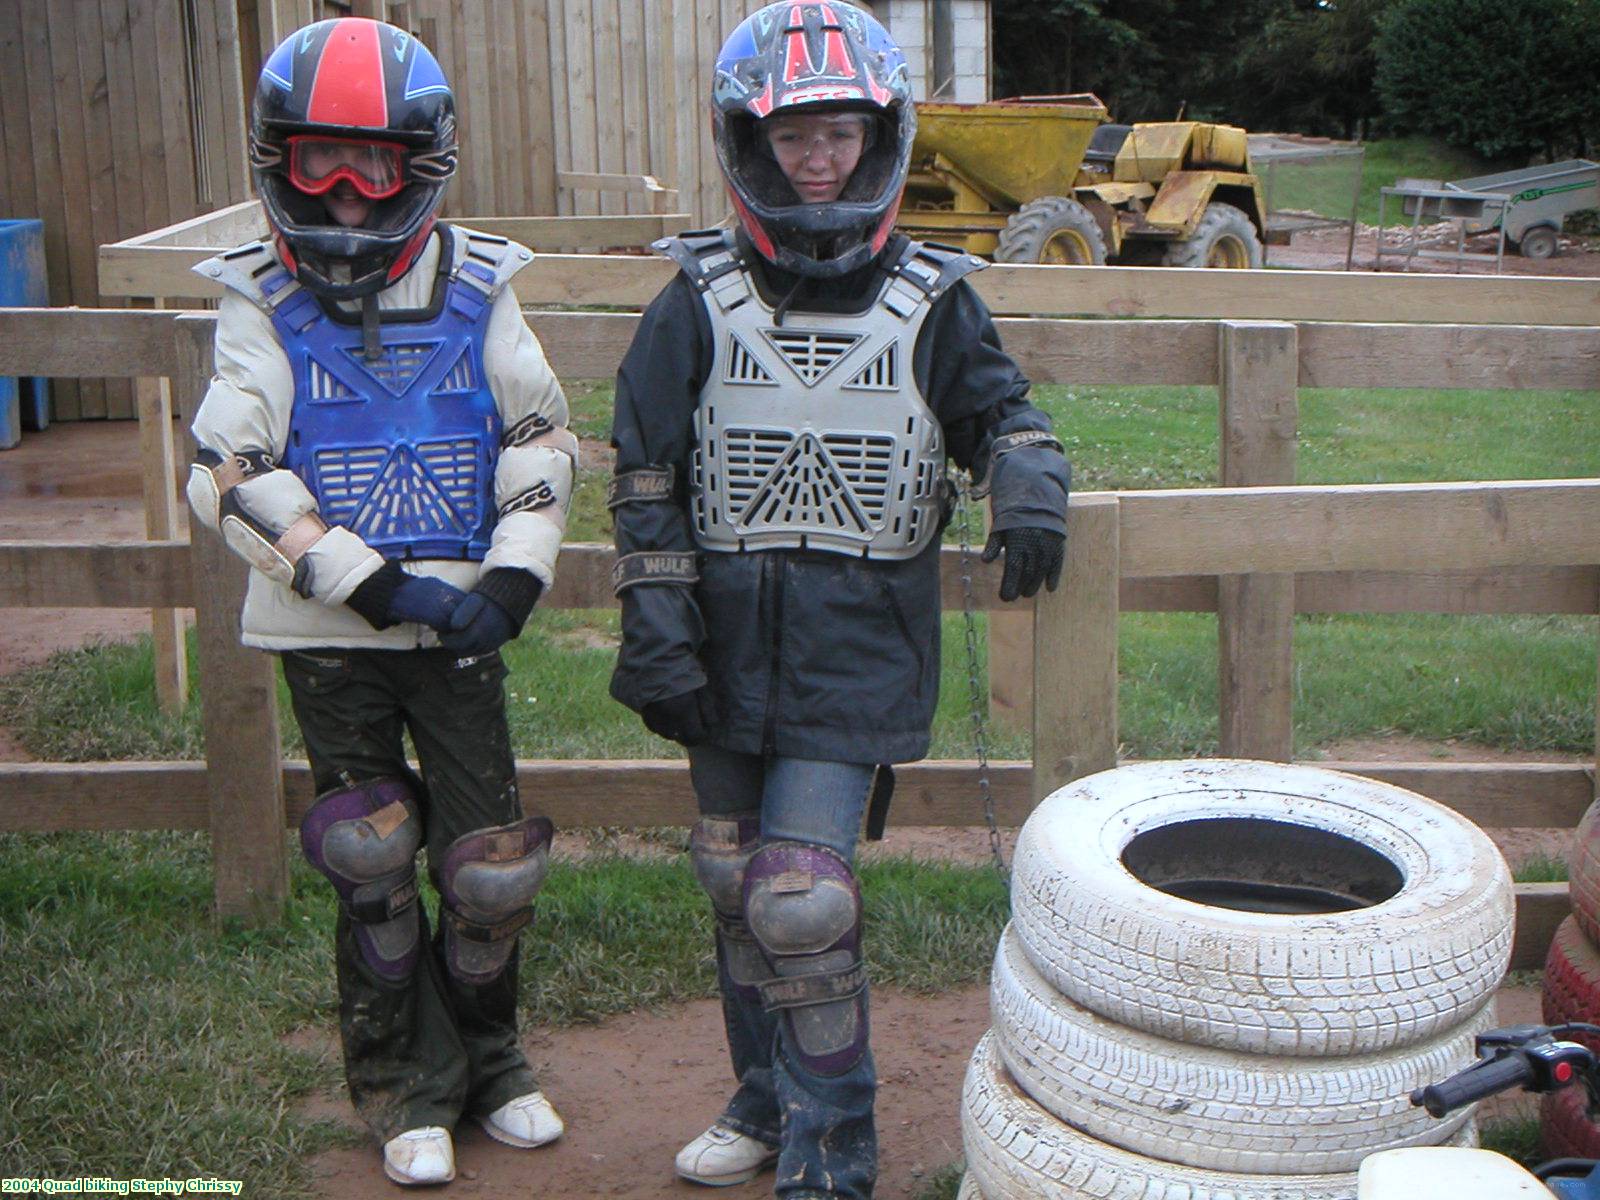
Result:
[[1017, 1151], [1422, 956], [1210, 1108], [968, 1189]]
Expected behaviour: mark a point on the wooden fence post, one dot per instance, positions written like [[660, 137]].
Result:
[[158, 471], [1258, 415], [244, 768], [1075, 652]]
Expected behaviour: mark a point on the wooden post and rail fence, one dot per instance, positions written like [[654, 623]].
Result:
[[1262, 552]]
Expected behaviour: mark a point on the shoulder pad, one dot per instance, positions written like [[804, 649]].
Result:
[[245, 270], [934, 268], [702, 254], [488, 259]]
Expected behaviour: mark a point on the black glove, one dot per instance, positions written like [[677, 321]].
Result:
[[682, 718], [1033, 556], [426, 599], [478, 626]]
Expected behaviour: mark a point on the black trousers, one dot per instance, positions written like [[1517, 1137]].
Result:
[[425, 1050]]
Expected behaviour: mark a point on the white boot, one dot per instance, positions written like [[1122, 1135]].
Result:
[[720, 1157], [527, 1121], [420, 1156]]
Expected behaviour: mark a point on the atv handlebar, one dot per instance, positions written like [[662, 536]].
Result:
[[1525, 1056], [1482, 1079]]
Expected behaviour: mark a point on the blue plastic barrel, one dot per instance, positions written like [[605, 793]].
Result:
[[24, 403]]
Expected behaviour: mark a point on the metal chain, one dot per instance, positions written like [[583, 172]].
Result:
[[980, 736]]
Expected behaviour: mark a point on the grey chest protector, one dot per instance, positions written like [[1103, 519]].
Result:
[[812, 433]]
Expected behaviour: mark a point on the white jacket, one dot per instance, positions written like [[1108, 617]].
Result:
[[247, 408]]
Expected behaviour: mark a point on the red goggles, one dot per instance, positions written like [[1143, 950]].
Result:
[[375, 169]]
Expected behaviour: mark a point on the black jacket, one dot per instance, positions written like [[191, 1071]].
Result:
[[809, 653]]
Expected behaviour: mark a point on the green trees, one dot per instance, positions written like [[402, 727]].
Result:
[[1501, 77]]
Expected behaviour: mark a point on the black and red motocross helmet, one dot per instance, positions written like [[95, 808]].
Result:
[[360, 100], [813, 56]]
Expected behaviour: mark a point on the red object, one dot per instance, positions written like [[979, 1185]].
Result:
[[1572, 981], [1565, 1128], [348, 89], [1563, 1072], [1584, 860], [375, 169]]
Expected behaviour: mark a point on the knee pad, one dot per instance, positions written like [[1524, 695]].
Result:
[[488, 880], [720, 849], [364, 838], [803, 906]]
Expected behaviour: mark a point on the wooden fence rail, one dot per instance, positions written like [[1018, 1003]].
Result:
[[1475, 547]]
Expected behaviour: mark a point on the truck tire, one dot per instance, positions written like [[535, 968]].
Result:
[[1565, 1128], [1052, 229], [1017, 1151], [1224, 238], [1571, 990], [1214, 1108], [1583, 869], [1260, 959], [1539, 242]]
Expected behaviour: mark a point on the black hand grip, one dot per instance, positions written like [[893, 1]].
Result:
[[1486, 1079]]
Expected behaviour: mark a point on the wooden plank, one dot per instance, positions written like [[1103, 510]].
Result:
[[115, 46], [583, 151], [538, 114], [1075, 653], [73, 343], [553, 233], [560, 102], [220, 229], [1422, 526], [1449, 356], [1291, 295], [148, 114], [38, 574], [1012, 289], [580, 792], [1113, 352], [1258, 434], [176, 114], [510, 164], [150, 271], [1540, 908], [133, 575], [158, 471], [611, 109], [240, 714], [230, 106], [18, 194], [76, 195]]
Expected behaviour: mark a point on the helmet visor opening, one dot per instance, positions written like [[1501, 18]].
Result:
[[375, 169]]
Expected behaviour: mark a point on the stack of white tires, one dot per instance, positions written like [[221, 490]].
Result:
[[1222, 980]]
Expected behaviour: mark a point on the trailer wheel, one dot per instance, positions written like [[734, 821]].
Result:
[[1225, 238], [1052, 229], [1539, 242]]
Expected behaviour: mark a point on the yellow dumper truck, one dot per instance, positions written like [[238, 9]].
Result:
[[1044, 179]]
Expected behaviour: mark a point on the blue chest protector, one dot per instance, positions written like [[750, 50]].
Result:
[[401, 449]]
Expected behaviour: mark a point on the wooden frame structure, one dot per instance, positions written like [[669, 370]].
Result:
[[1464, 548]]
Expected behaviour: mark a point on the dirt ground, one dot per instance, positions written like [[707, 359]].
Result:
[[1325, 250], [634, 1088]]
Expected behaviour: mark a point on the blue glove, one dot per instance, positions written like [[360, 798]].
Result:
[[478, 626], [426, 600]]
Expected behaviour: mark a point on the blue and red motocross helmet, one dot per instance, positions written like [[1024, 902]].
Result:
[[358, 100], [813, 56]]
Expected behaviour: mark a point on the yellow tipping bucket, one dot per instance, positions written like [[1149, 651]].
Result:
[[1020, 149]]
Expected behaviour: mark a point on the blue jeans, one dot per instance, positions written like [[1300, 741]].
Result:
[[822, 1124]]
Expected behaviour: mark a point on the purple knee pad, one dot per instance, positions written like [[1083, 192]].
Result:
[[803, 906], [720, 849], [488, 880], [364, 838]]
